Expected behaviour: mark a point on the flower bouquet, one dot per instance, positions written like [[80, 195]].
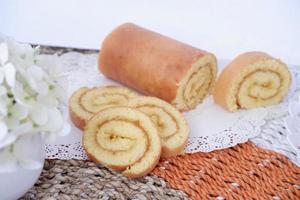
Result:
[[32, 108]]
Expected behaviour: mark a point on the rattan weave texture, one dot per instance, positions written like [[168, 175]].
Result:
[[78, 179], [241, 172]]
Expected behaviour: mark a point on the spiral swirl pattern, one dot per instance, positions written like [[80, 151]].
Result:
[[123, 138], [172, 127], [196, 84], [85, 102], [253, 80]]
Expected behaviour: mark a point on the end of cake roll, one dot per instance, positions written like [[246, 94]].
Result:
[[253, 79], [172, 127], [197, 83]]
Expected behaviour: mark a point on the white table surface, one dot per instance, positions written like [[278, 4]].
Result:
[[225, 28]]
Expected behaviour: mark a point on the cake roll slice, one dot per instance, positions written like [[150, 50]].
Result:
[[85, 102], [157, 65], [253, 79], [172, 127], [124, 139]]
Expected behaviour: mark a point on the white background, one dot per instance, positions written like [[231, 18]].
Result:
[[225, 28]]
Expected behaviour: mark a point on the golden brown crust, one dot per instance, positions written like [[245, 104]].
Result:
[[77, 120], [146, 61], [166, 153], [95, 160], [145, 173]]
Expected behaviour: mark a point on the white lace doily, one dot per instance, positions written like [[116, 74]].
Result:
[[279, 133], [211, 126]]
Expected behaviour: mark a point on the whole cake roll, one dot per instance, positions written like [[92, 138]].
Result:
[[253, 79], [85, 102], [157, 65], [172, 127], [123, 138]]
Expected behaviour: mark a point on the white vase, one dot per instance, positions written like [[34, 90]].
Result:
[[15, 184]]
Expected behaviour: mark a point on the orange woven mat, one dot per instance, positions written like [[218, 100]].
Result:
[[242, 172]]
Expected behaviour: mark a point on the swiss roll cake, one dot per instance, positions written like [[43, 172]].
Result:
[[123, 139], [253, 79], [158, 66]]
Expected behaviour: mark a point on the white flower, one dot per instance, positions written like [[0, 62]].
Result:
[[35, 75], [22, 96], [20, 112], [10, 74], [39, 114], [3, 53], [3, 131], [3, 91], [6, 138], [49, 63], [60, 93], [36, 72], [48, 101], [3, 101], [7, 70], [21, 54], [32, 99], [56, 123], [18, 155], [1, 75]]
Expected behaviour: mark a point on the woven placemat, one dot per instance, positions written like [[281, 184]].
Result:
[[76, 179], [242, 172]]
